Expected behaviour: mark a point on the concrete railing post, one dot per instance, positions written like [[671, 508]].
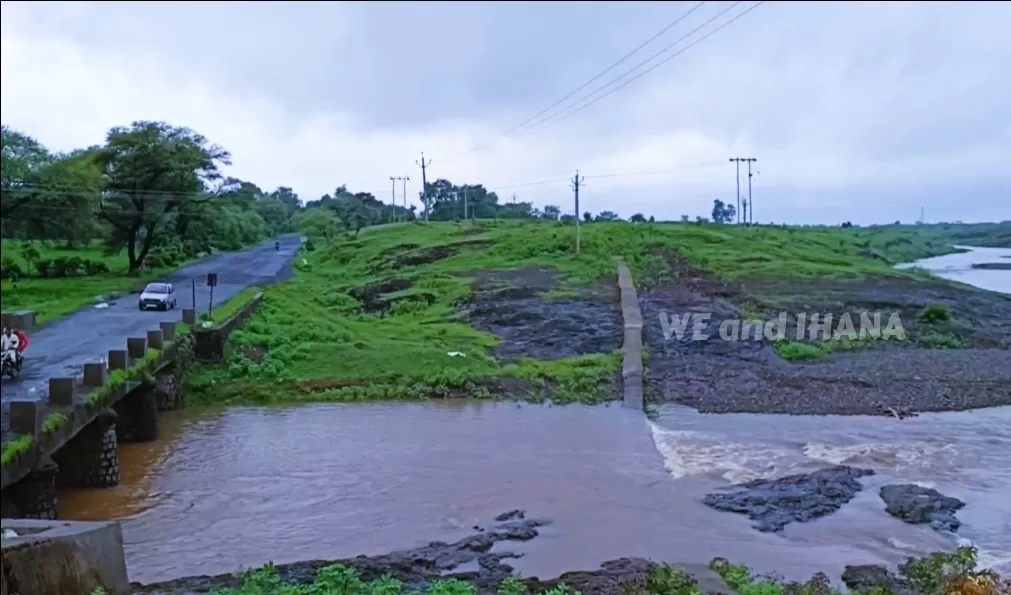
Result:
[[25, 417], [118, 360], [189, 316], [95, 375], [168, 331], [136, 347], [155, 340], [62, 392]]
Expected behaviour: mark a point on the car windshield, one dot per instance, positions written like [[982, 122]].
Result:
[[156, 288]]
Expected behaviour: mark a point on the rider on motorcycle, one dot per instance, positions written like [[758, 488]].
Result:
[[11, 347], [277, 245]]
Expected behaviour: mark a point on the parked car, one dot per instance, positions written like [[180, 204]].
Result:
[[160, 296]]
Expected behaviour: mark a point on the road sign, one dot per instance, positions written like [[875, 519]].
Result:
[[212, 279]]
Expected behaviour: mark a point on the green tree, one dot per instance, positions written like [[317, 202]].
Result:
[[153, 170]]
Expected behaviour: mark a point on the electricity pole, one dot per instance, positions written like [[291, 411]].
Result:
[[514, 198], [465, 203], [424, 182], [404, 180], [751, 201], [577, 181], [393, 202], [737, 161]]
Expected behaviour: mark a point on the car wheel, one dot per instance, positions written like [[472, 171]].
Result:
[[140, 307]]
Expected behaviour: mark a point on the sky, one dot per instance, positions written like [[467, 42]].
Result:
[[855, 111]]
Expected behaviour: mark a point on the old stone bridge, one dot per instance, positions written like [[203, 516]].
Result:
[[71, 438]]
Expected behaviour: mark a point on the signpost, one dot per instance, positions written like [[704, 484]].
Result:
[[212, 282]]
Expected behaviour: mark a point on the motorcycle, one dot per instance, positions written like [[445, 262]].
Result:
[[277, 245], [12, 370]]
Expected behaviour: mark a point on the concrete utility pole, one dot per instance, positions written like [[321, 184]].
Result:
[[424, 182], [751, 201], [404, 180], [577, 181], [737, 161], [514, 198], [393, 201], [465, 203]]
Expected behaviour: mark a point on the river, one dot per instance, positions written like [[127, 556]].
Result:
[[243, 486]]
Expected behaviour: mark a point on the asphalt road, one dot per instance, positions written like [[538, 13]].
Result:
[[61, 347]]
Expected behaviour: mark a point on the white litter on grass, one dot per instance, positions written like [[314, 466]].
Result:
[[456, 354], [102, 305], [206, 324]]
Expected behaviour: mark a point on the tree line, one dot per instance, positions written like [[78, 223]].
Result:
[[153, 190], [157, 192]]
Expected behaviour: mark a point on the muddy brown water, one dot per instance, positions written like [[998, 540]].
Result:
[[240, 487]]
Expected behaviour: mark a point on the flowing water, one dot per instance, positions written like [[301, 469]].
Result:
[[245, 486]]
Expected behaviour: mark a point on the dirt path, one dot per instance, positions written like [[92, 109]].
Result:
[[748, 376]]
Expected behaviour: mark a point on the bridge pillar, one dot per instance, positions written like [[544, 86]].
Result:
[[137, 415], [34, 497], [90, 459]]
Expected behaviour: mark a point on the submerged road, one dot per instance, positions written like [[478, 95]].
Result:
[[61, 347]]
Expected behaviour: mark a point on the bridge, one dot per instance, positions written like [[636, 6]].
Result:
[[102, 376]]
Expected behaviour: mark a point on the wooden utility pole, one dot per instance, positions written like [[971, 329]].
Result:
[[424, 182], [577, 181]]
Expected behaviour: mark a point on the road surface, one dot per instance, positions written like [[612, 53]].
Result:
[[61, 347]]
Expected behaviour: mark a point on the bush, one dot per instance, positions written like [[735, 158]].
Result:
[[73, 266], [9, 268], [935, 313]]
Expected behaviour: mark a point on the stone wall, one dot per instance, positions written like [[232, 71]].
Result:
[[91, 458], [632, 368], [34, 497], [211, 344]]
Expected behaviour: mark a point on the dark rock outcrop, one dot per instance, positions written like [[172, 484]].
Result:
[[866, 578], [917, 505], [775, 503]]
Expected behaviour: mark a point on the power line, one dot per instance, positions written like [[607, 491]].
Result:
[[669, 26], [509, 185], [563, 115]]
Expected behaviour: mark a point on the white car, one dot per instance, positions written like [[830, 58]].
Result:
[[161, 296]]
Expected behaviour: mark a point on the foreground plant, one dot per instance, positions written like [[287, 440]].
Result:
[[936, 574]]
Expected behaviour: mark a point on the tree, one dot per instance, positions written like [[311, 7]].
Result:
[[319, 223], [587, 216], [607, 216], [637, 218], [723, 213], [153, 169], [353, 213], [684, 218], [551, 212]]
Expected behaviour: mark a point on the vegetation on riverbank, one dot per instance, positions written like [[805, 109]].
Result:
[[98, 222], [936, 574], [392, 314]]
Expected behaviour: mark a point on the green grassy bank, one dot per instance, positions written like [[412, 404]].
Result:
[[314, 339], [75, 277]]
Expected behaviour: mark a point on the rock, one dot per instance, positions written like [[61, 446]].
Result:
[[419, 567], [867, 577], [775, 503], [61, 557], [918, 505]]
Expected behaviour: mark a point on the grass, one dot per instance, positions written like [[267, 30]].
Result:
[[310, 339], [54, 298], [937, 574], [232, 307]]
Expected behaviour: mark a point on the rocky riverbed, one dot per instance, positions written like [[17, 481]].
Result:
[[473, 560], [718, 376], [419, 567]]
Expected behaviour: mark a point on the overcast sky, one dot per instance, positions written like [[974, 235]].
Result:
[[861, 111]]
